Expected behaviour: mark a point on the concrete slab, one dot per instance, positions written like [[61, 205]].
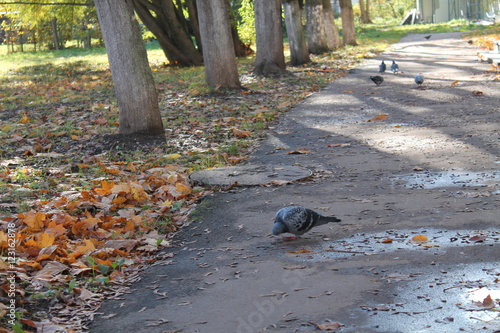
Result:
[[250, 174]]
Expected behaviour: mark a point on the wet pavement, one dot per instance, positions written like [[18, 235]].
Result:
[[417, 190]]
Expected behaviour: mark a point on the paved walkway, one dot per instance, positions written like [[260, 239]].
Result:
[[426, 164]]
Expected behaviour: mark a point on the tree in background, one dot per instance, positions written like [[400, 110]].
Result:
[[299, 51], [48, 24], [133, 81], [270, 59], [347, 15], [246, 21], [332, 32], [218, 51], [364, 7], [316, 27]]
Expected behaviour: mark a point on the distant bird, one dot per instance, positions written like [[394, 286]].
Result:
[[382, 67], [377, 79], [298, 220], [419, 79], [394, 67], [427, 37]]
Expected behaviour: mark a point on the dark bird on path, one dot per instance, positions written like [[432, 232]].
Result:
[[382, 67], [394, 67], [377, 79], [419, 79], [298, 220], [427, 37]]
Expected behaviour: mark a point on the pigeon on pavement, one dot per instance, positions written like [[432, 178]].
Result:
[[298, 220], [394, 67], [419, 79], [427, 37], [382, 67], [377, 79]]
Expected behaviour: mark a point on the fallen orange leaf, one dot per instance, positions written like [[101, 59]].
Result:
[[45, 239], [300, 251], [25, 119], [380, 117], [105, 188], [87, 247], [241, 133], [34, 220], [419, 239], [300, 151]]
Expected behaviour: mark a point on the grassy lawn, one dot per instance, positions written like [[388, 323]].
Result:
[[88, 209]]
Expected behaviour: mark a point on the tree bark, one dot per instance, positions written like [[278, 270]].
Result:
[[166, 22], [348, 29], [316, 27], [133, 81], [299, 50], [218, 49], [55, 34], [270, 59], [364, 7], [332, 32]]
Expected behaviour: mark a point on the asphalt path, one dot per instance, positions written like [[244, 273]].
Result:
[[413, 174]]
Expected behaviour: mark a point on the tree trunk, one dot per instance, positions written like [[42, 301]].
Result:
[[194, 25], [218, 49], [133, 81], [348, 30], [165, 21], [55, 33], [364, 7], [299, 50], [270, 59], [332, 32], [316, 27]]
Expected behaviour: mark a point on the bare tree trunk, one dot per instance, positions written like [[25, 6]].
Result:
[[134, 85], [332, 32], [299, 50], [348, 30], [55, 34], [364, 7], [316, 27], [218, 50], [270, 59], [367, 8]]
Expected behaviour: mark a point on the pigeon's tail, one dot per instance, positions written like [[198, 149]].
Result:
[[327, 219]]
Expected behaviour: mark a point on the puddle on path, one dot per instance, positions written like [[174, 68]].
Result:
[[438, 240], [431, 180], [444, 299]]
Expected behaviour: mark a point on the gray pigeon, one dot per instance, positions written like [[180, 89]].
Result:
[[382, 67], [377, 79], [394, 67], [419, 79], [298, 220]]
